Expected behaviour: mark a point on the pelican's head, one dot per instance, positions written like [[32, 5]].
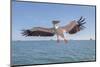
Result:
[[56, 24]]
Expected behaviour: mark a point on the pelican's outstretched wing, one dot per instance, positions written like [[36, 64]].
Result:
[[74, 26], [39, 31]]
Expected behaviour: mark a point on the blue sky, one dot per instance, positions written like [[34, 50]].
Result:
[[26, 15]]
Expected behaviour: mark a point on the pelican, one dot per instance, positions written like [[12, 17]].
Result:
[[71, 28]]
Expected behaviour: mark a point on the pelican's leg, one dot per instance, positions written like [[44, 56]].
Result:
[[58, 40], [65, 40], [62, 35]]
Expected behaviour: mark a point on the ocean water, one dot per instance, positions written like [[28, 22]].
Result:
[[44, 52]]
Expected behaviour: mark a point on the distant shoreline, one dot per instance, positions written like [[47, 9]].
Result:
[[48, 40]]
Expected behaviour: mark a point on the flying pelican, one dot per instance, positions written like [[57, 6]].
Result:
[[71, 28]]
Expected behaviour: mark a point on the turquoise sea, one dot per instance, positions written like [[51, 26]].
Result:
[[45, 52]]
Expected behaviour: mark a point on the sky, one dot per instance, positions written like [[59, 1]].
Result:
[[26, 15]]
